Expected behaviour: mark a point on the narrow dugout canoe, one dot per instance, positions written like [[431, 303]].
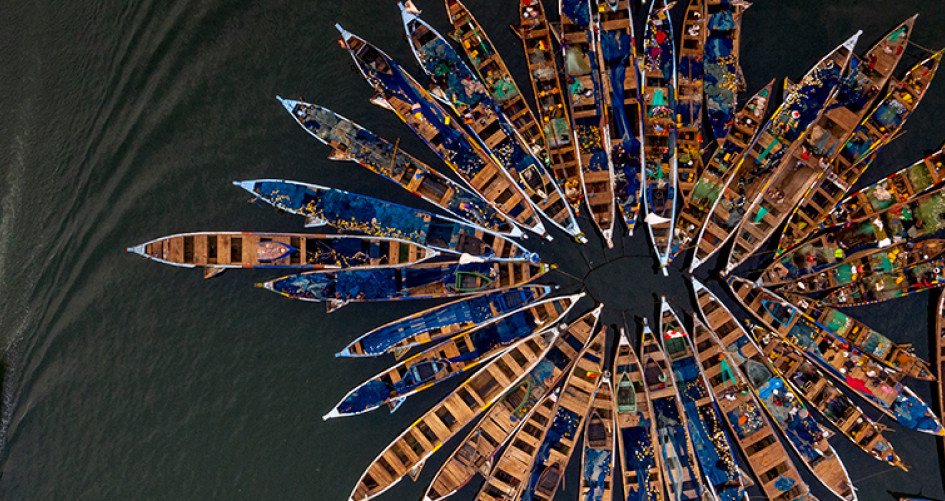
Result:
[[441, 321], [219, 251], [520, 405]]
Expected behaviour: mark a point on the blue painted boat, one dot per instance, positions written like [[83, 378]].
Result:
[[712, 445], [460, 89], [340, 287], [456, 355], [441, 321], [351, 212], [350, 141], [399, 92]]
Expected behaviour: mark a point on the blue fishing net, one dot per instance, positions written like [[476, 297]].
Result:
[[914, 414], [596, 473], [617, 51], [671, 425], [501, 333], [712, 446], [577, 11], [691, 66], [638, 457], [783, 483], [722, 21], [444, 65], [367, 396], [475, 310]]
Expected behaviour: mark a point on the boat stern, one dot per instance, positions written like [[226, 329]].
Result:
[[407, 16], [139, 250], [345, 35], [289, 104]]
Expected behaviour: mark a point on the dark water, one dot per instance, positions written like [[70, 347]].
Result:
[[124, 121]]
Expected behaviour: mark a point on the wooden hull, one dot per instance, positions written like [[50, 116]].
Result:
[[809, 154], [349, 141], [620, 90], [550, 99], [598, 453], [788, 413], [809, 382], [817, 267], [408, 453], [715, 177], [689, 95], [400, 93], [870, 136], [780, 135], [456, 355], [355, 213], [723, 79], [554, 452], [776, 474], [232, 249], [660, 133], [846, 364], [715, 456], [338, 288], [588, 116], [895, 357], [880, 287], [901, 186], [516, 460], [680, 468], [495, 75], [441, 321], [636, 428], [529, 397], [460, 86]]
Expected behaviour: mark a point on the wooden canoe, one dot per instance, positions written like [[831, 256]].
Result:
[[217, 251], [399, 92], [478, 452], [460, 89], [770, 462]]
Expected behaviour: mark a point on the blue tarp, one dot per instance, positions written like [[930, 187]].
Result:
[[597, 470], [639, 457], [476, 310], [577, 11], [711, 443], [672, 429], [914, 414]]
